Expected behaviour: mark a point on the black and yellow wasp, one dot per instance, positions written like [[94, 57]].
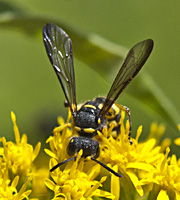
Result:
[[93, 115]]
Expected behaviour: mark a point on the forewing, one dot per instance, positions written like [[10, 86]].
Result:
[[134, 61], [59, 50]]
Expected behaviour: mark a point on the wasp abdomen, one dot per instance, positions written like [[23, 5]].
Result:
[[89, 146]]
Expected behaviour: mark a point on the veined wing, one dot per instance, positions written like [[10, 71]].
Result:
[[59, 50], [134, 61]]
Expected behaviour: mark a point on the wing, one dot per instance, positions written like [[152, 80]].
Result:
[[134, 61], [59, 50]]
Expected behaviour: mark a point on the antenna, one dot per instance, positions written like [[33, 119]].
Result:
[[100, 163]]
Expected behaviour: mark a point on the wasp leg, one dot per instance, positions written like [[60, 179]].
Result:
[[127, 110]]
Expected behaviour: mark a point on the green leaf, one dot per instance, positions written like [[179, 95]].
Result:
[[87, 48]]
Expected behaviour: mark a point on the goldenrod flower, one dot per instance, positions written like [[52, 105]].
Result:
[[164, 178], [8, 188], [16, 165], [74, 183], [20, 155], [59, 142], [147, 170], [131, 159], [136, 161]]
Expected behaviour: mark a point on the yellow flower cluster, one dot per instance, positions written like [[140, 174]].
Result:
[[15, 166], [77, 180], [144, 165], [147, 169], [74, 182]]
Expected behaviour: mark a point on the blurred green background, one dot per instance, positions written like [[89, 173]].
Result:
[[29, 87]]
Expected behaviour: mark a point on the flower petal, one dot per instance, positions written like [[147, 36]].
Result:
[[162, 195]]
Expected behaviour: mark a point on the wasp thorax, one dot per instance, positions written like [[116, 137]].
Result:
[[89, 146], [87, 121]]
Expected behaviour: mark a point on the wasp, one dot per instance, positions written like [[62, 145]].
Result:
[[93, 115]]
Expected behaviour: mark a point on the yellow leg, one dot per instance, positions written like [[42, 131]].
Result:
[[126, 109]]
